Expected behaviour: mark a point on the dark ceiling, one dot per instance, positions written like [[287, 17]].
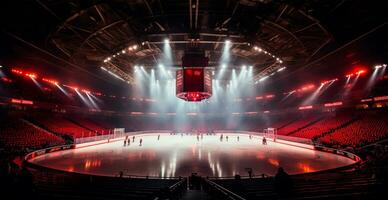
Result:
[[72, 38]]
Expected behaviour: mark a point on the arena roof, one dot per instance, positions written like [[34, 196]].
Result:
[[311, 38]]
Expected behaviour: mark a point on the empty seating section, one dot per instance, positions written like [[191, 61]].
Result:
[[315, 186], [325, 125], [343, 128], [75, 186], [368, 129], [63, 126], [91, 125], [15, 133], [300, 123]]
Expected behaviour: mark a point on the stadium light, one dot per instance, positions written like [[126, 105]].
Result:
[[263, 78], [281, 69]]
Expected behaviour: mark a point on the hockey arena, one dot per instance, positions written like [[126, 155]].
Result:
[[193, 99]]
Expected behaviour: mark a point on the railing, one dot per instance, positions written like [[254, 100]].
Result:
[[175, 191], [218, 191], [242, 177]]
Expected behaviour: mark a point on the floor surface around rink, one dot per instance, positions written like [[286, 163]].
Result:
[[180, 155]]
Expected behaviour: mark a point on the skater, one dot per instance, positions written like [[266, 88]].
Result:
[[238, 138], [133, 138], [158, 136], [250, 173], [129, 141], [141, 141], [125, 142], [264, 141], [201, 136], [227, 138]]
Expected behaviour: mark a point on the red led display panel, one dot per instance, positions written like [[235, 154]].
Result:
[[193, 84]]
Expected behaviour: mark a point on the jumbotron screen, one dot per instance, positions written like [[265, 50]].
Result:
[[193, 84]]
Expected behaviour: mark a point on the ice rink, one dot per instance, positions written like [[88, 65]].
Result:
[[180, 155]]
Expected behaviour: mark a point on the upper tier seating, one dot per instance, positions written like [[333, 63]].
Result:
[[63, 126], [300, 123], [323, 126], [368, 129], [91, 125]]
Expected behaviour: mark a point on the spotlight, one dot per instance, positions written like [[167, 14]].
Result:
[[123, 51], [281, 69], [166, 41], [378, 66], [1, 66], [262, 79], [361, 72], [134, 47], [223, 66], [227, 41]]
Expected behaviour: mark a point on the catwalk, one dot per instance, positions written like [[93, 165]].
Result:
[[180, 155]]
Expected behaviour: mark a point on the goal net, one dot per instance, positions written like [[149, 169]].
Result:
[[270, 133]]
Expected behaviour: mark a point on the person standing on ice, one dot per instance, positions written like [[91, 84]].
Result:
[[264, 141], [141, 141]]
